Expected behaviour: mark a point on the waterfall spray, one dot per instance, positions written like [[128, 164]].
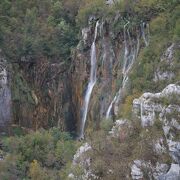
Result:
[[91, 83]]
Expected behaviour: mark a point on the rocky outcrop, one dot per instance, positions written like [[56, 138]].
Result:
[[120, 129], [168, 60], [159, 110], [141, 169], [79, 157], [149, 105], [82, 160], [172, 174], [163, 106]]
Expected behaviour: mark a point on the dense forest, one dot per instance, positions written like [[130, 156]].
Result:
[[46, 47]]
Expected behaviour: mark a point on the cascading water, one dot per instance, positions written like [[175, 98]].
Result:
[[108, 113], [91, 83], [130, 55], [124, 82], [145, 37], [110, 107], [125, 48]]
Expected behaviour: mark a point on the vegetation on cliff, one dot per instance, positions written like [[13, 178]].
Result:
[[47, 31]]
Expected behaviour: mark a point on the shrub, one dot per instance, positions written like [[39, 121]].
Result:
[[38, 153], [106, 124], [89, 8]]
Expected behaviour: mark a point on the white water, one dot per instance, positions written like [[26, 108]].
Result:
[[108, 113], [124, 82], [91, 83], [125, 48], [141, 113], [144, 34], [130, 55]]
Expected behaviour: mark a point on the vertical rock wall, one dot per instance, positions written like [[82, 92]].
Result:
[[110, 48]]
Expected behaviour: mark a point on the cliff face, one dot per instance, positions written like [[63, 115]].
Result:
[[48, 93], [128, 65], [52, 107], [35, 95], [117, 89], [151, 108], [116, 54]]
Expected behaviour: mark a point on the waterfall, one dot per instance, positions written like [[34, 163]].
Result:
[[108, 113], [110, 107], [145, 37], [124, 82], [92, 82], [125, 48], [130, 54]]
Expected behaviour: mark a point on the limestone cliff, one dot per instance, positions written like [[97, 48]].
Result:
[[116, 53], [35, 95]]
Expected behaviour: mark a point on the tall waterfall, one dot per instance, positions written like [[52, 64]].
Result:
[[92, 82], [108, 113], [130, 54]]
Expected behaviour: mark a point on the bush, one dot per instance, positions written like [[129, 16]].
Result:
[[106, 125], [31, 29], [36, 171], [89, 8], [37, 153]]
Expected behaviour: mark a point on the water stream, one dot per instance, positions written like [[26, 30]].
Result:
[[130, 54], [145, 35], [92, 82]]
